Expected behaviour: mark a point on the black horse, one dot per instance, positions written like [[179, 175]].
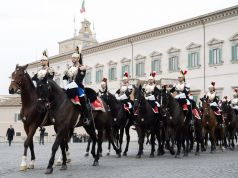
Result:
[[175, 120], [148, 121], [231, 122], [66, 116]]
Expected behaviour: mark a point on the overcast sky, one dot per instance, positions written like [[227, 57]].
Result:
[[27, 27]]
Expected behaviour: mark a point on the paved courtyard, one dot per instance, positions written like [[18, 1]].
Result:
[[219, 164]]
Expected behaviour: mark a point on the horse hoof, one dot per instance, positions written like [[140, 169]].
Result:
[[232, 148], [177, 156], [95, 163], [138, 156], [152, 155], [86, 154], [108, 154], [223, 149], [119, 155], [63, 167], [31, 166], [124, 154], [23, 168], [68, 160], [197, 153], [185, 154], [172, 152], [100, 154], [49, 171], [58, 163]]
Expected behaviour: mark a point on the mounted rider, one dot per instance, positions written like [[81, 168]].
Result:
[[181, 90], [74, 87], [149, 92], [213, 101], [123, 94], [103, 91], [46, 72], [234, 101]]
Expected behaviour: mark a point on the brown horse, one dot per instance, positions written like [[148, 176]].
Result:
[[31, 116], [209, 123]]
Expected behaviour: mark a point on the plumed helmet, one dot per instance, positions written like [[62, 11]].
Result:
[[212, 85], [235, 93], [104, 81], [44, 55], [77, 52], [182, 73], [152, 75], [125, 76]]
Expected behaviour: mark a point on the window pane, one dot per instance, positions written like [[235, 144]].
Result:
[[236, 52]]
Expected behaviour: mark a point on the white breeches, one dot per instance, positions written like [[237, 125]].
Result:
[[213, 104], [181, 95]]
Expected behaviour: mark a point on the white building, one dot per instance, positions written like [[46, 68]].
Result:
[[206, 45]]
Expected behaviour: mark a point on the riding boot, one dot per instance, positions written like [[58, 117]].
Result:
[[86, 113]]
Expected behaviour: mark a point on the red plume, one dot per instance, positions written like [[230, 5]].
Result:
[[213, 83], [225, 97], [104, 80], [236, 90], [185, 72], [126, 74], [153, 74]]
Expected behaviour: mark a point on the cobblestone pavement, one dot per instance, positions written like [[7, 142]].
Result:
[[220, 164]]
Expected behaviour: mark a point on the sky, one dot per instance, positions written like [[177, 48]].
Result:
[[27, 27]]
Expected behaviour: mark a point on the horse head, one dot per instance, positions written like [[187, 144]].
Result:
[[17, 79], [138, 96], [163, 98]]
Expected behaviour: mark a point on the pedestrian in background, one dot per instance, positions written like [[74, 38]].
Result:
[[42, 135], [10, 133]]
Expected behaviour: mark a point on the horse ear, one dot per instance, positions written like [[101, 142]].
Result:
[[25, 67], [17, 66]]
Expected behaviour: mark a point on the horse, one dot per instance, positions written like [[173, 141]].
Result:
[[31, 116], [231, 122], [113, 105], [65, 116], [175, 120], [147, 121], [209, 123]]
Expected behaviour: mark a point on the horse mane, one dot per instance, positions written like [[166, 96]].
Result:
[[29, 80]]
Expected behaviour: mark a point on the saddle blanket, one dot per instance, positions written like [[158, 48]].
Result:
[[98, 105]]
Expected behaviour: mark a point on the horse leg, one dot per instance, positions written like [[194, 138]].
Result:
[[67, 153], [30, 131], [127, 130], [31, 165], [88, 147], [232, 139], [141, 136], [55, 147], [167, 137], [212, 139], [111, 141], [152, 141], [91, 131], [179, 140], [100, 139], [63, 150], [120, 141]]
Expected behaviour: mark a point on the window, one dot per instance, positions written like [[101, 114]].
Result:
[[88, 79], [215, 56], [155, 65], [17, 117], [140, 69], [18, 134], [99, 74], [173, 64], [234, 53], [112, 73], [193, 60], [125, 68]]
